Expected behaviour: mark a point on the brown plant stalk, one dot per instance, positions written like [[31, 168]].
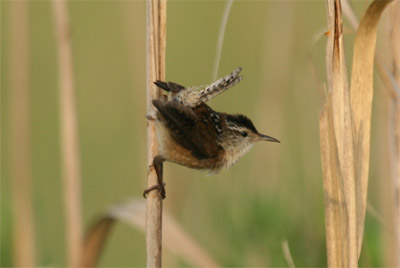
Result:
[[69, 136], [156, 42]]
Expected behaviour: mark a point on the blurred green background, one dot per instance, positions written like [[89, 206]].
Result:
[[240, 216]]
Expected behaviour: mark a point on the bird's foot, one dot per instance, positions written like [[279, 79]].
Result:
[[160, 188], [157, 165], [150, 117]]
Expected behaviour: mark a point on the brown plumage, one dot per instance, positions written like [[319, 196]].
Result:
[[191, 134]]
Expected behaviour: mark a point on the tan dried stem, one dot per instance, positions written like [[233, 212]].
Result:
[[21, 171], [345, 123], [156, 42], [69, 136]]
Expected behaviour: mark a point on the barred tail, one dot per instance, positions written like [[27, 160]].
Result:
[[220, 86]]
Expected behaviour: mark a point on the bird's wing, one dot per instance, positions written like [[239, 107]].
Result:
[[188, 129]]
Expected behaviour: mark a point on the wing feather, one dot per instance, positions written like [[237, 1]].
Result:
[[188, 129]]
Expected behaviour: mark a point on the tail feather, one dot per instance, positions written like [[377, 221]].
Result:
[[220, 86], [192, 97], [169, 86]]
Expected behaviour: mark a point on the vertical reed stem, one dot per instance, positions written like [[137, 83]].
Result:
[[156, 42], [69, 136], [21, 171], [394, 125]]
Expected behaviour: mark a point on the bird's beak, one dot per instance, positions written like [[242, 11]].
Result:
[[268, 138]]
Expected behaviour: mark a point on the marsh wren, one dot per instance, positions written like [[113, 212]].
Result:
[[191, 134]]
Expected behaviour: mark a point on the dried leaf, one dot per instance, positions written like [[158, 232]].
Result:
[[133, 213], [95, 241], [342, 146], [335, 205], [361, 93], [345, 124]]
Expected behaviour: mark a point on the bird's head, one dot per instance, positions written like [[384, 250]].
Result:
[[242, 133]]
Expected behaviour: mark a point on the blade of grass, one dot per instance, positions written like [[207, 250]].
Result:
[[21, 171], [221, 35], [69, 136], [335, 225], [339, 100], [330, 12], [286, 254], [345, 146], [134, 214], [393, 88], [361, 93], [382, 69], [342, 125], [95, 240], [156, 43], [335, 205]]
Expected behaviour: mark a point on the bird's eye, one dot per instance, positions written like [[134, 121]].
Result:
[[244, 134]]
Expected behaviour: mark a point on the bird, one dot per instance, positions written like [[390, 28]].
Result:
[[190, 133]]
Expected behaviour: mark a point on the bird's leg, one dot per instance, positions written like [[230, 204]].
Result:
[[158, 166]]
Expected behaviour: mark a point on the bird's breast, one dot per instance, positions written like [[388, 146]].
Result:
[[233, 154]]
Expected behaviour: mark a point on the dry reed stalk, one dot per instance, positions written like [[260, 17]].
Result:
[[69, 136], [345, 122], [221, 35], [21, 171], [156, 42]]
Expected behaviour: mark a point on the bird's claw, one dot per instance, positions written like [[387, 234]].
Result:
[[160, 188], [150, 117]]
